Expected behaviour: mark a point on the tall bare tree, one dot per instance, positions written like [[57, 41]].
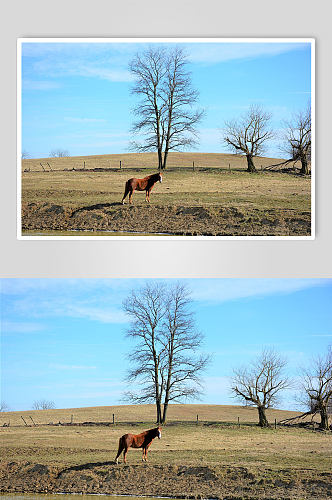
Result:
[[146, 309], [165, 363], [261, 382], [296, 139], [181, 340], [316, 387], [248, 135], [166, 113]]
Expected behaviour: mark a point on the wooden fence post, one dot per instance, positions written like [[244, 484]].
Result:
[[275, 423], [229, 167], [120, 164], [24, 421], [193, 166], [32, 420], [113, 418], [72, 419], [238, 421], [196, 419]]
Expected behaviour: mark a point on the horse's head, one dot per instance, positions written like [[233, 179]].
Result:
[[159, 428]]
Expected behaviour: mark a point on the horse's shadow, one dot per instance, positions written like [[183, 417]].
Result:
[[98, 206], [90, 465]]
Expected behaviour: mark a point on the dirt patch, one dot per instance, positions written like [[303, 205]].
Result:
[[175, 220], [161, 480]]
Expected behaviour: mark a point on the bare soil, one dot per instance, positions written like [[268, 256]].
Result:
[[175, 220], [220, 482]]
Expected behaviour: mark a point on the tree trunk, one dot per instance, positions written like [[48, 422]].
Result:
[[324, 419], [165, 160], [304, 167], [165, 412], [158, 404], [262, 417], [251, 166], [160, 159]]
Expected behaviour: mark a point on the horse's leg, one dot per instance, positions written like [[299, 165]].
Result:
[[143, 456], [121, 446], [125, 455], [131, 196], [125, 193], [147, 196], [146, 451]]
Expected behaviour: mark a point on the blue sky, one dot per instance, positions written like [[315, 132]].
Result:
[[76, 96], [64, 340]]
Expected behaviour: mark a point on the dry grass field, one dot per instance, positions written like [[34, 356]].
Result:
[[210, 200], [204, 459], [145, 160]]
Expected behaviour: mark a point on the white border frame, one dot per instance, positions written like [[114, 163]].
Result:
[[202, 39]]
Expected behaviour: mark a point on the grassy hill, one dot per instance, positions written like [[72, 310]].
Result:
[[145, 160], [143, 414]]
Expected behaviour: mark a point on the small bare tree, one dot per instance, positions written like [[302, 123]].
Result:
[[166, 117], [316, 387], [59, 153], [261, 382], [249, 134], [25, 154], [164, 360], [4, 406], [296, 139], [43, 404]]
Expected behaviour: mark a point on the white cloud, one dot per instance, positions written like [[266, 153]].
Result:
[[83, 120], [71, 367], [221, 290], [40, 85], [97, 314], [212, 53], [21, 327]]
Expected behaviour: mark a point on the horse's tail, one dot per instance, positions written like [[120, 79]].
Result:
[[120, 449], [126, 191]]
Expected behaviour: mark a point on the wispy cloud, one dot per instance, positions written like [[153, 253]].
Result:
[[83, 120], [216, 290], [21, 327], [211, 53], [40, 85], [71, 367]]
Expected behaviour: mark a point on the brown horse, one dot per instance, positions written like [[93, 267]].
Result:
[[145, 184], [142, 440]]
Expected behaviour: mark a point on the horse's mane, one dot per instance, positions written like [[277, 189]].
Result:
[[151, 177]]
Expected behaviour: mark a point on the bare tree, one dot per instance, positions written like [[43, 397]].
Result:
[[4, 406], [43, 404], [296, 139], [146, 308], [59, 153], [260, 383], [164, 359], [25, 154], [316, 387], [249, 134], [166, 117], [181, 340]]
